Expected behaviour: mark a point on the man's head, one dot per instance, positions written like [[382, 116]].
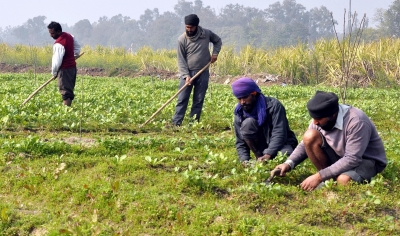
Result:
[[55, 29], [323, 107], [191, 22], [246, 90]]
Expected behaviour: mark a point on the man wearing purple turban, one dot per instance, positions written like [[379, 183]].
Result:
[[260, 123]]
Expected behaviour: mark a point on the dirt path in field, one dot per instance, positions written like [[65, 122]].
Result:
[[262, 78]]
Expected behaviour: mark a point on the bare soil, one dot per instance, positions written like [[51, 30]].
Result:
[[263, 79]]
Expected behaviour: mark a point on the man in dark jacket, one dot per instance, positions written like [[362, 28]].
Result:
[[260, 123], [193, 55]]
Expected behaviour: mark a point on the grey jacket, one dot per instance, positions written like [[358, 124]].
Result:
[[357, 139], [194, 54], [276, 130]]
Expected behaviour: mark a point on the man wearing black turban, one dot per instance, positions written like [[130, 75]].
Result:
[[193, 55], [341, 142]]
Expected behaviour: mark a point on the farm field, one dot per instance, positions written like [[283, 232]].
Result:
[[90, 169]]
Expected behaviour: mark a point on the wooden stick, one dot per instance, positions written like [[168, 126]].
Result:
[[43, 85], [176, 94]]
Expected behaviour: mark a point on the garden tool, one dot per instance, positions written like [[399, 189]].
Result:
[[273, 173], [43, 85], [176, 94]]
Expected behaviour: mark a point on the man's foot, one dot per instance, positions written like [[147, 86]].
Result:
[[171, 125], [67, 102]]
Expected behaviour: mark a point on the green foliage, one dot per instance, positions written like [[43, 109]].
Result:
[[90, 170], [375, 64]]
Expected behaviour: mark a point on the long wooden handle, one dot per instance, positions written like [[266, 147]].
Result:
[[176, 94], [43, 85], [38, 89]]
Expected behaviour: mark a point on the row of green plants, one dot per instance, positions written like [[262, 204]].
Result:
[[372, 64], [90, 169]]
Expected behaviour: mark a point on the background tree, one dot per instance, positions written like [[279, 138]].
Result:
[[291, 21], [148, 17], [164, 31], [320, 25], [283, 23], [33, 32], [82, 30], [390, 21], [184, 8]]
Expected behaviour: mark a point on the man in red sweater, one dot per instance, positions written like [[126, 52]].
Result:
[[65, 50]]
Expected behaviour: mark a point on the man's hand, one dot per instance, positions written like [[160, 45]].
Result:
[[188, 80], [214, 58], [311, 182], [283, 167], [266, 157]]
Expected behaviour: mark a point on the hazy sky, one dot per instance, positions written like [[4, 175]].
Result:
[[17, 12]]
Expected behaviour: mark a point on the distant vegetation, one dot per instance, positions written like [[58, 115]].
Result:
[[283, 23], [373, 64]]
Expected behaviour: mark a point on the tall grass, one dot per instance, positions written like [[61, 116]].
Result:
[[376, 63]]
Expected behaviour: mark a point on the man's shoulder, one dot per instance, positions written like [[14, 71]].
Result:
[[208, 31], [182, 36], [271, 101], [357, 115], [64, 36]]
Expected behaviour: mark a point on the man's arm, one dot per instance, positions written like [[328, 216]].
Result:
[[298, 156], [182, 61], [279, 128], [77, 47], [56, 61], [217, 45], [241, 147]]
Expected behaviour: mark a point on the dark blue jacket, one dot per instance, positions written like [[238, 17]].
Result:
[[276, 130]]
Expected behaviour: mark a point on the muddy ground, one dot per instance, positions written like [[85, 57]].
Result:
[[262, 79]]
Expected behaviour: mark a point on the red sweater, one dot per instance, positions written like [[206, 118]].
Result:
[[67, 41]]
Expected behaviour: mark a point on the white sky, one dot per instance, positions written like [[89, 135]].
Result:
[[17, 12]]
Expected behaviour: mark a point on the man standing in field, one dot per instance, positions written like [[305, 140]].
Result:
[[193, 55], [341, 142], [65, 50], [260, 123]]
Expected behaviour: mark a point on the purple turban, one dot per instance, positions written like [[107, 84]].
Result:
[[243, 87]]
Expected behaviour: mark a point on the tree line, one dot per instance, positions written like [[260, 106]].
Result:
[[281, 24]]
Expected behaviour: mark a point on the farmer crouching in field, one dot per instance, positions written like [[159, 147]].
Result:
[[193, 55], [65, 49], [260, 123], [341, 142]]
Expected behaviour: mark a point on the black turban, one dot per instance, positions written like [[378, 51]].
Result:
[[323, 104], [192, 19]]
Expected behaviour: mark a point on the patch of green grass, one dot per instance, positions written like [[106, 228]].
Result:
[[90, 170]]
